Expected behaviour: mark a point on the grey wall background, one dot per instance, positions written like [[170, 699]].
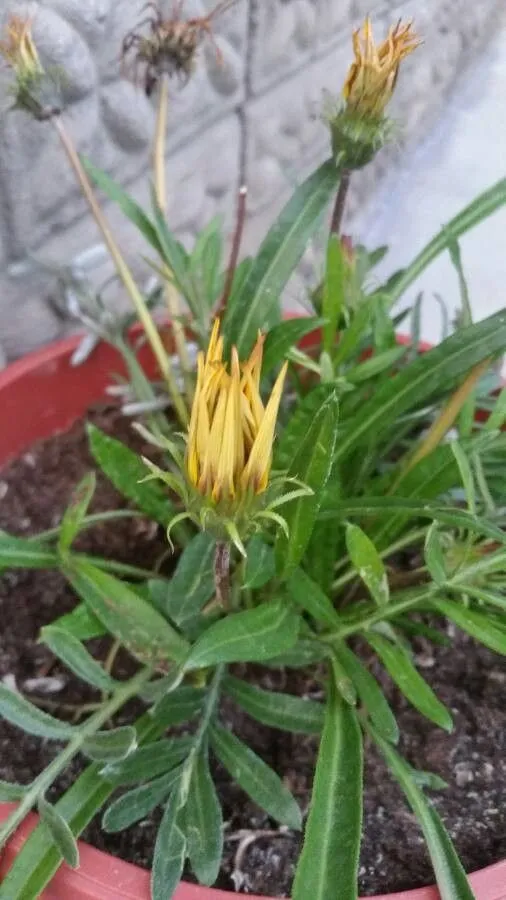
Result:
[[254, 120]]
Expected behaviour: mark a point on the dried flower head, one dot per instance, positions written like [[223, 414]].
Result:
[[171, 45], [231, 433], [34, 89], [372, 76]]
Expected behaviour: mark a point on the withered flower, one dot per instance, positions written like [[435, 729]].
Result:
[[372, 76], [34, 89]]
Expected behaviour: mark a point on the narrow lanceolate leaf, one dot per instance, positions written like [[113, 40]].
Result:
[[170, 851], [329, 858], [276, 709], [466, 474], [71, 651], [126, 470], [204, 822], [19, 711], [60, 832], [370, 694], [21, 553], [252, 307], [311, 465], [126, 615], [148, 762], [250, 636], [10, 792], [368, 563], [178, 706], [297, 427], [283, 337], [256, 778], [430, 375], [475, 623], [192, 583], [260, 566], [434, 556], [80, 624], [74, 515], [399, 666], [450, 875], [140, 802], [111, 746], [309, 596]]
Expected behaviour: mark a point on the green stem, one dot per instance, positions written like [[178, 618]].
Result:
[[44, 781], [394, 608], [89, 522]]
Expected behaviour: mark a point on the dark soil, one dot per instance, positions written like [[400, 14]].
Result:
[[259, 857]]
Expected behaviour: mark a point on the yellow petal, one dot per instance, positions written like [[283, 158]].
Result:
[[256, 471], [191, 445]]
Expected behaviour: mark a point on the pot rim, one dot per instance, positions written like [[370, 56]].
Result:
[[101, 876]]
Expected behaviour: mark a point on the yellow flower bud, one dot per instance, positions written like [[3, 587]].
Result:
[[230, 436], [371, 77]]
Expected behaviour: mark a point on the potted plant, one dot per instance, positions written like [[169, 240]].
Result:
[[304, 569]]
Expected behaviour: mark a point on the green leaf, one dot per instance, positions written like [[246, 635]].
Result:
[[370, 693], [70, 650], [260, 566], [20, 712], [253, 635], [60, 833], [434, 556], [475, 623], [351, 339], [126, 615], [450, 875], [179, 706], [481, 207], [204, 822], [80, 624], [466, 475], [303, 653], [192, 583], [333, 291], [23, 553], [399, 666], [283, 246], [74, 515], [498, 415], [283, 337], [139, 803], [276, 709], [430, 375], [309, 596], [127, 204], [148, 762], [297, 426], [10, 792], [126, 470], [111, 746], [170, 851], [329, 857], [256, 778], [312, 465], [375, 365], [368, 564]]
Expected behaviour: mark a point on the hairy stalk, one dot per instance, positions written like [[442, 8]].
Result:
[[124, 273], [171, 294], [340, 202], [222, 574], [46, 778]]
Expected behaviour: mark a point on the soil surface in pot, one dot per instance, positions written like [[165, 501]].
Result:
[[259, 856]]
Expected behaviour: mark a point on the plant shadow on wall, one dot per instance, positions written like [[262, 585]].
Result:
[[284, 549]]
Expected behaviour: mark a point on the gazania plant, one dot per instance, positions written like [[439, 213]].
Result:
[[296, 462]]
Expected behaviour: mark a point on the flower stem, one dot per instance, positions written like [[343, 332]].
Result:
[[339, 205], [171, 293], [222, 573], [46, 778], [124, 272]]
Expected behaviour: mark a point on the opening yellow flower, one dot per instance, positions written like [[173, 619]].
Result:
[[372, 76], [19, 50], [230, 437]]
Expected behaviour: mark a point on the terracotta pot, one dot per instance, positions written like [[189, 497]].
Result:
[[41, 395]]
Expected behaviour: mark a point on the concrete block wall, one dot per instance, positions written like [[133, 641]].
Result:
[[255, 119]]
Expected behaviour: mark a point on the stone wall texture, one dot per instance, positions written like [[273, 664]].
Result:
[[255, 119]]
